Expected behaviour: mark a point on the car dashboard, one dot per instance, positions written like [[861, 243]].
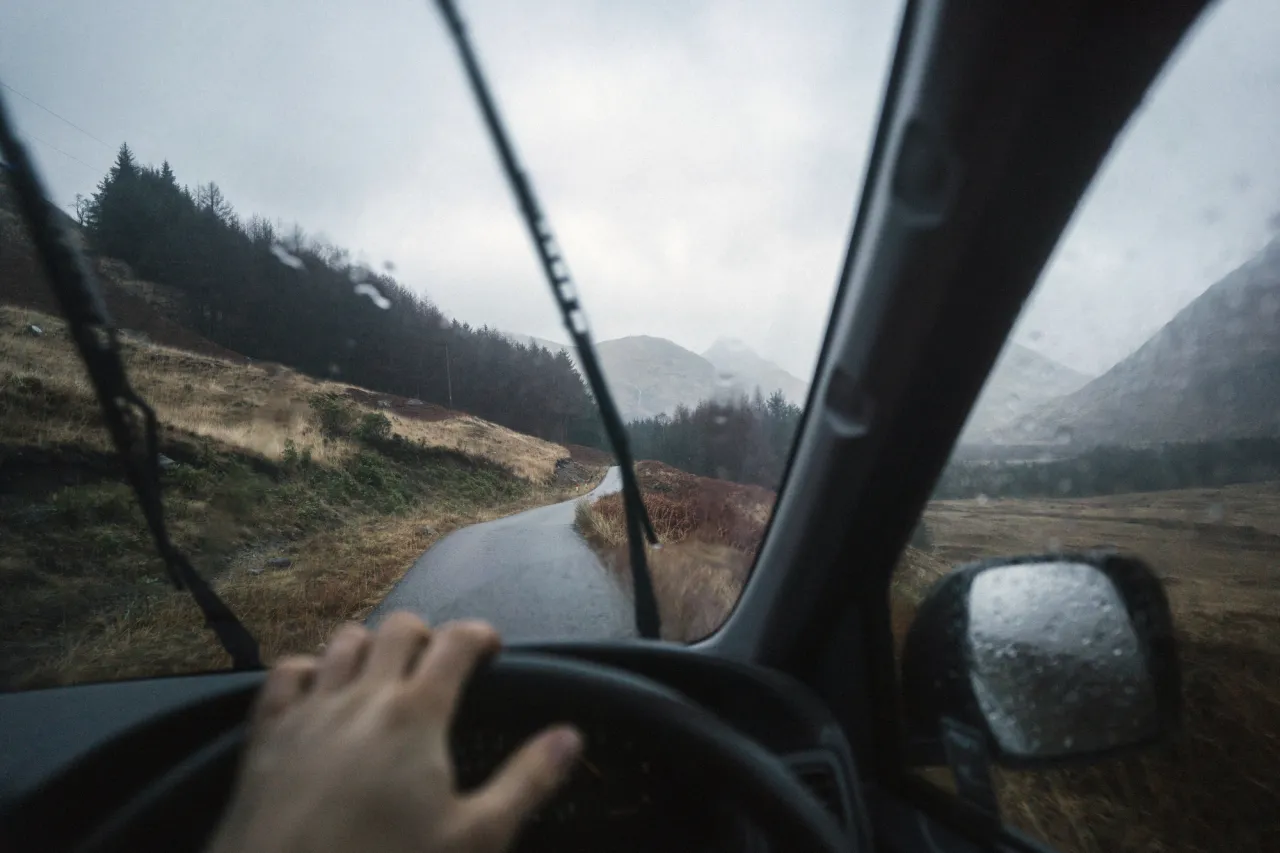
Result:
[[625, 794]]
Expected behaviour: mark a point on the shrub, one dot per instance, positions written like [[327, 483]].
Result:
[[187, 478], [101, 502], [373, 428], [336, 414]]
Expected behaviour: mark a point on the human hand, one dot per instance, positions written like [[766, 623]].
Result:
[[349, 751]]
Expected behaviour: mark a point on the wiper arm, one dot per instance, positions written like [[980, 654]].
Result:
[[575, 322], [129, 420]]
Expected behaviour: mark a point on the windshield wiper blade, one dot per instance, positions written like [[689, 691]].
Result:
[[575, 322], [130, 421]]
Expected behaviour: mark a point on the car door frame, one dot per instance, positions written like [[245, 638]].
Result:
[[995, 120]]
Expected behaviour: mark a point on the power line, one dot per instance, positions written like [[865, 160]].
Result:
[[63, 153], [55, 115]]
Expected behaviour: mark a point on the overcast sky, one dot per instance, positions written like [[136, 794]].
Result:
[[699, 161]]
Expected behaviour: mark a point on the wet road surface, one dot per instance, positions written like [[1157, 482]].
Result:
[[529, 574]]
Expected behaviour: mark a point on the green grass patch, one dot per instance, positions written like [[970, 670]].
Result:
[[76, 551]]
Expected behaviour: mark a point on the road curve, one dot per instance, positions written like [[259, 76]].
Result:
[[529, 574]]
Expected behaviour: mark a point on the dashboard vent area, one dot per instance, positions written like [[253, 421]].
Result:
[[821, 775]]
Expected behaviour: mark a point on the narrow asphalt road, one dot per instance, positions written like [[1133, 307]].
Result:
[[529, 574]]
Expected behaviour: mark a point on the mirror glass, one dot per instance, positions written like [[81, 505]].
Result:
[[1055, 662]]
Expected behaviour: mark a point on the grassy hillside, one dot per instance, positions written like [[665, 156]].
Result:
[[305, 500], [1215, 786]]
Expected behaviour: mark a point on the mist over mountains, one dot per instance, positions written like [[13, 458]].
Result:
[[1211, 373], [650, 375]]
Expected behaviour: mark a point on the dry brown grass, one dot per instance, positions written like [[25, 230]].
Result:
[[1216, 785], [529, 457], [336, 576], [708, 532], [257, 408], [84, 595]]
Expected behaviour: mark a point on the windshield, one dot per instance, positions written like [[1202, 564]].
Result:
[[326, 291]]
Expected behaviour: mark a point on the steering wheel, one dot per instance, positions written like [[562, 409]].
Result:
[[560, 688]]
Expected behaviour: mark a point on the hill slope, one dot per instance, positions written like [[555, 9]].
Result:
[[23, 283], [302, 500], [751, 370], [1021, 380], [1212, 372], [651, 375]]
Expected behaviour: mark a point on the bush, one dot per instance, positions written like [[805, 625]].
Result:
[[292, 458], [101, 502], [374, 427], [187, 479], [336, 414]]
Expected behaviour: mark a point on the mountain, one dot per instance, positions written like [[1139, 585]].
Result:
[[743, 366], [1212, 372], [554, 346], [1021, 380], [649, 376]]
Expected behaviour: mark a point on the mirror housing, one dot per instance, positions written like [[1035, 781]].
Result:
[[1047, 660]]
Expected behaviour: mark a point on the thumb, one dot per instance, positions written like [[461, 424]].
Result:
[[524, 783]]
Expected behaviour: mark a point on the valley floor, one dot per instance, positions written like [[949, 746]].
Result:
[[1216, 785]]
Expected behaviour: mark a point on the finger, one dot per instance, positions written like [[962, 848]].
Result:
[[456, 648], [523, 784], [287, 682], [343, 658], [396, 646]]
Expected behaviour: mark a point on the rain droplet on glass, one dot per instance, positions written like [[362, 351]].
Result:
[[375, 295], [285, 257]]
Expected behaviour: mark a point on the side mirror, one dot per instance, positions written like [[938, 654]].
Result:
[[1040, 661]]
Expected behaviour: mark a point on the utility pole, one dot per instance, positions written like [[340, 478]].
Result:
[[448, 373]]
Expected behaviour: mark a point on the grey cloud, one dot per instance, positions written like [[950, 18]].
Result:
[[699, 161]]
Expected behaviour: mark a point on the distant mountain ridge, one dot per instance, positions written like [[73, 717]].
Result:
[[1021, 380], [742, 365], [1212, 372], [650, 375]]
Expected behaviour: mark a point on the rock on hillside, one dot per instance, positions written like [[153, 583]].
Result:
[[1212, 372]]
